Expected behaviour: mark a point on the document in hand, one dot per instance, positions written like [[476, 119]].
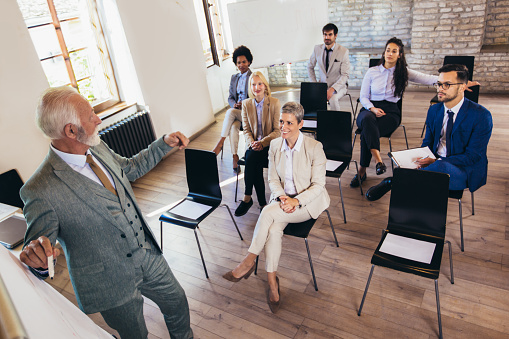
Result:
[[407, 158]]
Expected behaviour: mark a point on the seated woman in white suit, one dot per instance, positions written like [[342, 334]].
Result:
[[297, 183]]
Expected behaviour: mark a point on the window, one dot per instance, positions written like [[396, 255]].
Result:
[[209, 25], [70, 44]]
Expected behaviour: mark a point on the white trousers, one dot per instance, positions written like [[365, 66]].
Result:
[[334, 100], [268, 232], [231, 127]]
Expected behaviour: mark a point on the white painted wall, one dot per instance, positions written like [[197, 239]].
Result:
[[218, 81], [22, 145], [164, 41], [165, 45]]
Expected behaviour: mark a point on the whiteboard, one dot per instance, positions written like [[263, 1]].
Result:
[[278, 31], [43, 311]]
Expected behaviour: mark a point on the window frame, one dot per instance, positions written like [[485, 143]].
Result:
[[105, 59]]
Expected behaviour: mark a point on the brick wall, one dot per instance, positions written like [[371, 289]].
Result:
[[437, 28], [497, 23]]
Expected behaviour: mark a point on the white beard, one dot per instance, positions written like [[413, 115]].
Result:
[[89, 140]]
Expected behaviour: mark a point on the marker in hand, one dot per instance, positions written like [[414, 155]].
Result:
[[51, 267], [426, 157]]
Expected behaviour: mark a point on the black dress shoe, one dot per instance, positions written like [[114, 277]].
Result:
[[243, 208], [380, 168], [378, 191], [355, 181]]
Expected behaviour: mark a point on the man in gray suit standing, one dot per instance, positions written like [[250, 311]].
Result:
[[333, 65], [81, 196]]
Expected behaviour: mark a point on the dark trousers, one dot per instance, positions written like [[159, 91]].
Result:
[[253, 173], [372, 128]]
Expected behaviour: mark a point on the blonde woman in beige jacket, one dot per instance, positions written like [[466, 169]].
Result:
[[260, 121]]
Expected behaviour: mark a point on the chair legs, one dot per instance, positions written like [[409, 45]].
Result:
[[311, 264], [423, 129], [472, 195], [237, 185], [201, 254], [366, 290], [342, 202], [438, 311], [231, 216], [461, 225], [332, 228], [358, 176], [309, 257], [450, 260]]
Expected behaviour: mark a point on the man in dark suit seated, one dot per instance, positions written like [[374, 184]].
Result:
[[457, 132], [81, 196]]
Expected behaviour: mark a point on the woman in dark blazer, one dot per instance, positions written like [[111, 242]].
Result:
[[260, 120], [239, 86]]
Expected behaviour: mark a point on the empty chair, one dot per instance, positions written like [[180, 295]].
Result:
[[313, 97], [204, 195], [333, 131], [414, 238]]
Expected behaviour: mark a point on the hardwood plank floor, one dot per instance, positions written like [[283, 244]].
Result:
[[397, 305]]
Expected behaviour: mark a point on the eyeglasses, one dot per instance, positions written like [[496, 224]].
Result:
[[445, 85]]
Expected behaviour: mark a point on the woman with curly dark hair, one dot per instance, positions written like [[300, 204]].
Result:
[[382, 87], [239, 87]]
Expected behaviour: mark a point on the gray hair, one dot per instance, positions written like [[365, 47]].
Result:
[[55, 110], [294, 108]]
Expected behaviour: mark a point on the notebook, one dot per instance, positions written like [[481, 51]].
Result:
[[12, 231]]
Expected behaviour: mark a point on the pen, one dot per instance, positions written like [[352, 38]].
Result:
[[426, 157], [51, 267]]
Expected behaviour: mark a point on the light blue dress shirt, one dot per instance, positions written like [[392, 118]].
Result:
[[259, 111], [377, 84], [241, 87]]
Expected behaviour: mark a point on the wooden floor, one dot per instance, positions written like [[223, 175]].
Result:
[[398, 305]]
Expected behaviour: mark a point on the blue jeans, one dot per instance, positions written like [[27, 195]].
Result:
[[458, 177], [154, 280]]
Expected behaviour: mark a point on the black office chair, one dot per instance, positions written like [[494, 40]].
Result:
[[313, 97], [301, 230], [333, 131], [468, 61], [203, 184], [10, 184], [417, 211], [458, 195]]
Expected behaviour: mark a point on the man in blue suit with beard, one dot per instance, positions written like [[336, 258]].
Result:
[[457, 132]]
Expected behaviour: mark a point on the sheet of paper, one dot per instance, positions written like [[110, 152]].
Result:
[[332, 165], [190, 209], [7, 210], [407, 158], [412, 249], [309, 123], [41, 308]]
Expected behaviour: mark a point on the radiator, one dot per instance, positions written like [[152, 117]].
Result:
[[130, 135]]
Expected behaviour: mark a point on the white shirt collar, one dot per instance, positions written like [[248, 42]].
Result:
[[383, 69], [298, 143], [332, 48], [72, 159], [456, 108]]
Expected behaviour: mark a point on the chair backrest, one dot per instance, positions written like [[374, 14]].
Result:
[[461, 60], [419, 201], [10, 184], [313, 96], [202, 174], [334, 131], [374, 62]]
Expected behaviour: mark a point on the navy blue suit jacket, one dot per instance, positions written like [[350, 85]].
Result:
[[470, 135]]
